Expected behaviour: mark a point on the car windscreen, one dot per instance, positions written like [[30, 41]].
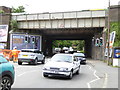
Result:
[[62, 58], [79, 54], [2, 60]]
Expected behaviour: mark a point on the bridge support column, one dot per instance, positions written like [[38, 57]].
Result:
[[98, 51], [43, 45], [47, 46], [88, 48]]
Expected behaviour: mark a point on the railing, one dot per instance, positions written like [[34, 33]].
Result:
[[60, 15]]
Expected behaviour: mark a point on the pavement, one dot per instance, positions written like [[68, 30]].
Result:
[[103, 71]]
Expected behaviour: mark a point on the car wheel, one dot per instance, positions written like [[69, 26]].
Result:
[[35, 62], [29, 63], [43, 61], [19, 63], [78, 71], [71, 75], [45, 75], [6, 83]]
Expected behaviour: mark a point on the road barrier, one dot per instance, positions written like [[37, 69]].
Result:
[[7, 54]]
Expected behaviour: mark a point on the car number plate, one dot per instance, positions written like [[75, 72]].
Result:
[[25, 55], [54, 71]]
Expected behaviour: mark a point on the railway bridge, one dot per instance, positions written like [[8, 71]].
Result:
[[85, 25]]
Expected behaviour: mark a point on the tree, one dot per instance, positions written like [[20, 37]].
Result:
[[20, 9], [115, 26], [14, 25], [78, 44], [1, 11]]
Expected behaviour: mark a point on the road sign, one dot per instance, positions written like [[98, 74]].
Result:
[[111, 42], [116, 53]]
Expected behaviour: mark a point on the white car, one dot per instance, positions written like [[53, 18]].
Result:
[[64, 65], [31, 56]]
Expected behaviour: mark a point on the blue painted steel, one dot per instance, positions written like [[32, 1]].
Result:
[[116, 53]]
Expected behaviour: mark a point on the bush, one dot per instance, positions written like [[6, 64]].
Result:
[[115, 26]]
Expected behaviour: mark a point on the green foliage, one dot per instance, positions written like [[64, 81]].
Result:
[[81, 45], [76, 44], [1, 11], [115, 26], [14, 25], [20, 9], [82, 51]]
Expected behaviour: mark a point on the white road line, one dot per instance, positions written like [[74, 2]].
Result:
[[26, 72], [89, 66], [97, 78], [105, 81]]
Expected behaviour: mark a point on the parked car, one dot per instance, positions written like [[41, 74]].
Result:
[[56, 50], [64, 65], [81, 57], [31, 56], [7, 74]]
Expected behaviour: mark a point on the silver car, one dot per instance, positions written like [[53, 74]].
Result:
[[31, 56]]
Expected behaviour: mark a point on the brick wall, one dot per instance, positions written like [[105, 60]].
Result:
[[114, 13], [5, 17]]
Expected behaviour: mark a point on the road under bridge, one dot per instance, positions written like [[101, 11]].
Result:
[[76, 25]]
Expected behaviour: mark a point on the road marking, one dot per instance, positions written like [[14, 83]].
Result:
[[97, 77], [105, 81], [89, 66], [26, 72]]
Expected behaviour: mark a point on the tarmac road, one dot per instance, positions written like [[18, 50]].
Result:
[[91, 76]]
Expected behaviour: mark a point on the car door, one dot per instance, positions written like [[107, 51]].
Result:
[[76, 64], [37, 54], [40, 55]]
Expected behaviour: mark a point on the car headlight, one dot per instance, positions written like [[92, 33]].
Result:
[[63, 69], [83, 59], [46, 68]]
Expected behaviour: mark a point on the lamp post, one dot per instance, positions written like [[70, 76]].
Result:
[[108, 59]]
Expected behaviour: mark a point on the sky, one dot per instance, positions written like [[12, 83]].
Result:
[[42, 6]]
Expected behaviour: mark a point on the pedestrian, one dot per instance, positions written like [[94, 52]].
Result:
[[15, 54]]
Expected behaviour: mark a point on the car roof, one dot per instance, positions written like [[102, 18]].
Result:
[[30, 49], [64, 54], [78, 54]]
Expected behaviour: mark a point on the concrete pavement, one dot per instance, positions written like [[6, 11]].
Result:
[[108, 73]]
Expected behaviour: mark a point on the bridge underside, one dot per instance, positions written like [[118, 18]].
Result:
[[71, 34], [49, 35], [66, 33]]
